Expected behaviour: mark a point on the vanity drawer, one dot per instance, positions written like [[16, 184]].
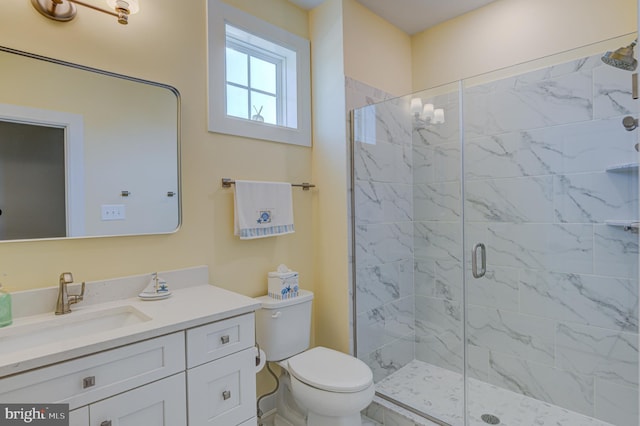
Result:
[[84, 380], [223, 392], [218, 339]]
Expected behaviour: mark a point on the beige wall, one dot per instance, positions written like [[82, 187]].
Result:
[[347, 39], [508, 32], [330, 173], [375, 52], [168, 44]]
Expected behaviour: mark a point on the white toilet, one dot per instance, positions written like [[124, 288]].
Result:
[[329, 388]]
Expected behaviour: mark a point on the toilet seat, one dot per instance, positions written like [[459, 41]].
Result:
[[330, 370]]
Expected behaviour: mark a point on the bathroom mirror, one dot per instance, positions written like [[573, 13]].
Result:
[[85, 152]]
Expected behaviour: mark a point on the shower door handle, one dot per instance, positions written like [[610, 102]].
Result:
[[483, 260]]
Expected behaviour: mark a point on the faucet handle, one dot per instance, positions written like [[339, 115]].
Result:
[[75, 298]]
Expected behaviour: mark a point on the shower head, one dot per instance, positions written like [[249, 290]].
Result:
[[622, 58]]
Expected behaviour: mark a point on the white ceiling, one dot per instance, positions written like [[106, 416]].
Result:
[[412, 16]]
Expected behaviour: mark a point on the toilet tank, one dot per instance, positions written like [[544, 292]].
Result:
[[283, 327]]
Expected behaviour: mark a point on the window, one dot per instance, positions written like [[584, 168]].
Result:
[[259, 78]]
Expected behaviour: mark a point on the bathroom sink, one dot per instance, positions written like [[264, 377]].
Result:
[[52, 329]]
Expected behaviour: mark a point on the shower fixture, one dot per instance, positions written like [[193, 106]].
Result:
[[622, 58], [630, 123]]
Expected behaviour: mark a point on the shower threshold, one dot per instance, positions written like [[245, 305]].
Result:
[[438, 393]]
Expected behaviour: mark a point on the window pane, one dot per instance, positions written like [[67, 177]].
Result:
[[237, 71], [268, 105], [263, 75], [237, 101]]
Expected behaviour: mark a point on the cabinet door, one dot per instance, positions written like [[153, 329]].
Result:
[[79, 417], [161, 403], [223, 392]]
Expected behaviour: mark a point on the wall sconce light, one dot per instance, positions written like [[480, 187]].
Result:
[[416, 107], [427, 114], [438, 116], [65, 10]]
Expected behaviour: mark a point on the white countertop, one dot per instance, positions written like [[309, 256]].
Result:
[[187, 307]]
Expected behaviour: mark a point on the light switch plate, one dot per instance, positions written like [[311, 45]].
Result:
[[113, 212]]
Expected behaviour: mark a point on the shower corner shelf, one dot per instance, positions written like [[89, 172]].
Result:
[[623, 168], [627, 225]]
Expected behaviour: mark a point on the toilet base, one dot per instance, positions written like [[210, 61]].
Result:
[[314, 419], [278, 420], [289, 413]]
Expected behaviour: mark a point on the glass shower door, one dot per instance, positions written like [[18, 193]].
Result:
[[551, 192], [407, 232]]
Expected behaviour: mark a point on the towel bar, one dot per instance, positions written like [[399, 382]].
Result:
[[226, 183]]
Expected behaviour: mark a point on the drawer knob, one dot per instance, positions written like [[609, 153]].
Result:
[[225, 339], [87, 382], [226, 395], [106, 423]]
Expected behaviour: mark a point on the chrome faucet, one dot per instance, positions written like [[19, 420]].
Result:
[[64, 298]]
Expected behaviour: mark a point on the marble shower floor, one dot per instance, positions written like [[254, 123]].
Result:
[[439, 392]]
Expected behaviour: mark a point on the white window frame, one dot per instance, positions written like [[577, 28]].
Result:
[[253, 51], [218, 15]]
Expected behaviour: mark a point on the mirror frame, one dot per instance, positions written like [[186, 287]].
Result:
[[135, 80]]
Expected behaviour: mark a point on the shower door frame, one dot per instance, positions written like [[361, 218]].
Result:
[[464, 254]]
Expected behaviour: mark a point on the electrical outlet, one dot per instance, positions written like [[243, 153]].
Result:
[[113, 212]]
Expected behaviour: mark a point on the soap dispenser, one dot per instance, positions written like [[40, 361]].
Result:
[[5, 308]]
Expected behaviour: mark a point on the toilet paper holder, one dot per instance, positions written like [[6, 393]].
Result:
[[261, 358]]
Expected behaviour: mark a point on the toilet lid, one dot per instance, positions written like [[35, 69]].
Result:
[[330, 370]]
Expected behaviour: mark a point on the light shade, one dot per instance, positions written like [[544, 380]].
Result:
[[427, 112], [438, 116], [132, 5], [416, 106]]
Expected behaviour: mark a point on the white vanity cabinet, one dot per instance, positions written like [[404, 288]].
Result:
[[197, 376], [146, 375], [158, 403], [187, 360], [82, 381], [221, 385]]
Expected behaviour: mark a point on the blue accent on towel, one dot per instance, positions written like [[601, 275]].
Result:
[[270, 230]]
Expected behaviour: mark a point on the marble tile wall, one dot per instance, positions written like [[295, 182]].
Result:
[[438, 235], [383, 191], [357, 95], [556, 317]]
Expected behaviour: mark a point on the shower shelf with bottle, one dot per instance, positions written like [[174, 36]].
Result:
[[628, 225], [623, 168]]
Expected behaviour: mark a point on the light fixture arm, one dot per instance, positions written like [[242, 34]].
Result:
[[65, 10], [90, 6]]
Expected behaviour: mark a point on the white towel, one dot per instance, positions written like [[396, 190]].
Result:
[[262, 209]]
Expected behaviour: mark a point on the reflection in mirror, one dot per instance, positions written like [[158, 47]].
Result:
[[84, 152]]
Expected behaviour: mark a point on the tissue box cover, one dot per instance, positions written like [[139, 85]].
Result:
[[283, 285]]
